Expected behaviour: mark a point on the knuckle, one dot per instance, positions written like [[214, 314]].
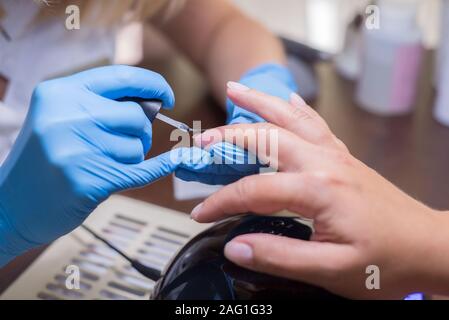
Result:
[[124, 73], [340, 144], [342, 157], [333, 180], [47, 89], [337, 157], [40, 128], [298, 114], [243, 187], [43, 129], [322, 136], [324, 179], [268, 126]]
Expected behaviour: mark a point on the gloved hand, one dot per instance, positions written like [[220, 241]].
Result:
[[272, 79], [77, 147]]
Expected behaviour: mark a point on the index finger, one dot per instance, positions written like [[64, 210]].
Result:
[[303, 194], [114, 82], [272, 145], [295, 116]]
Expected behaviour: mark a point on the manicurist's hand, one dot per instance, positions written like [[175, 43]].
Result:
[[360, 219], [77, 147]]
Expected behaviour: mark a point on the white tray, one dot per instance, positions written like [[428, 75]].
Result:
[[150, 233]]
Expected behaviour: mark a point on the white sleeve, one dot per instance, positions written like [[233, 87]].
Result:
[[10, 124], [10, 120]]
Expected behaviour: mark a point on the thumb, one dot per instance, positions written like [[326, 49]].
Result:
[[308, 261], [155, 168]]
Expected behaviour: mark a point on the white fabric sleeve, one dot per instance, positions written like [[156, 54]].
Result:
[[10, 124]]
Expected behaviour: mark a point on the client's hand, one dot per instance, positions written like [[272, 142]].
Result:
[[360, 219]]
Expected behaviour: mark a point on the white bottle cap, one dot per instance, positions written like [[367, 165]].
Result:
[[398, 16]]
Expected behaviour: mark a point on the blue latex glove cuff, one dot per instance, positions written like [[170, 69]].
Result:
[[273, 79]]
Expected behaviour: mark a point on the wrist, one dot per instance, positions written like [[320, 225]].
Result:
[[430, 261]]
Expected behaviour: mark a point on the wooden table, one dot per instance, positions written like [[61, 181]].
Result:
[[411, 151]]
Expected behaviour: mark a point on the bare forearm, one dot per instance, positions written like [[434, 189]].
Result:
[[434, 263], [239, 46], [222, 41]]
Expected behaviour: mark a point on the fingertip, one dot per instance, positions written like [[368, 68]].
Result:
[[168, 99], [162, 91], [296, 100], [236, 91], [196, 212], [239, 252], [201, 213], [237, 87]]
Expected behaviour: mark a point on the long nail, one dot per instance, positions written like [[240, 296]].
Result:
[[297, 101], [235, 86], [239, 252]]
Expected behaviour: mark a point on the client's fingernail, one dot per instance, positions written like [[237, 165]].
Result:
[[195, 212], [296, 100], [206, 138], [237, 86], [238, 252]]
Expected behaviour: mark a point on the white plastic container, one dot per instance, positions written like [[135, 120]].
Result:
[[347, 62], [441, 111], [391, 60]]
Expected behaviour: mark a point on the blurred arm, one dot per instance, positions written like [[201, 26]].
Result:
[[222, 41]]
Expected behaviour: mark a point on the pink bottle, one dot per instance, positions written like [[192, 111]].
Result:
[[441, 111], [391, 60]]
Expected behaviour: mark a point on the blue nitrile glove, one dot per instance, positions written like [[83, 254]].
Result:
[[272, 79], [225, 164], [77, 147]]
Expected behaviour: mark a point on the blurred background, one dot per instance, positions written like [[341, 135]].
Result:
[[322, 23]]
